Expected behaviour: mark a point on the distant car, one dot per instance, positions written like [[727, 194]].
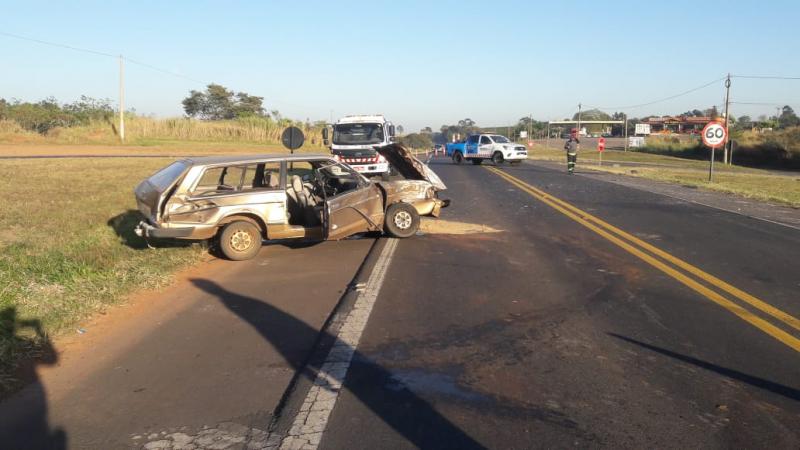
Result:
[[606, 135], [238, 200]]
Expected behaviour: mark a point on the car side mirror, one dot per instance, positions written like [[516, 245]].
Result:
[[391, 130], [325, 136]]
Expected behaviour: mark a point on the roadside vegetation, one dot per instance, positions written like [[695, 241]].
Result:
[[67, 247], [782, 187], [216, 115]]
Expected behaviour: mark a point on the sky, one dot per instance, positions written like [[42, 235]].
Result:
[[420, 63]]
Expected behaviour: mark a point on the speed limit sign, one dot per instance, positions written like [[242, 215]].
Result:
[[715, 135]]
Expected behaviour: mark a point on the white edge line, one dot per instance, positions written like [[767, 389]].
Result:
[[310, 422]]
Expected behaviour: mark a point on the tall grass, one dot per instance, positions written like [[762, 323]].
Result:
[[147, 131]]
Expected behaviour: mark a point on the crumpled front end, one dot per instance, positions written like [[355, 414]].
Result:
[[409, 166], [423, 195]]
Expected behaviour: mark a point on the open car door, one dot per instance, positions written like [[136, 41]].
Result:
[[352, 204]]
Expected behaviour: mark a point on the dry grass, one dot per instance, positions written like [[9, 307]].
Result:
[[757, 184], [67, 247], [146, 131]]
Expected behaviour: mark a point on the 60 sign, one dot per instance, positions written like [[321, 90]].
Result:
[[715, 135]]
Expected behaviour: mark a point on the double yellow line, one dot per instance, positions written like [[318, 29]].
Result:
[[702, 283]]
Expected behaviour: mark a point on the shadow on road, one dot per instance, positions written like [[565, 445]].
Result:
[[23, 417], [409, 415], [760, 383]]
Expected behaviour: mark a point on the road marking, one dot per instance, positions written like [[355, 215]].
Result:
[[605, 230], [310, 422]]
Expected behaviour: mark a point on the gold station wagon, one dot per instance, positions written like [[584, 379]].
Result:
[[240, 200]]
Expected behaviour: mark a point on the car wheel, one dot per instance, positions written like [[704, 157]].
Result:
[[458, 158], [240, 240], [477, 161], [401, 221], [497, 158]]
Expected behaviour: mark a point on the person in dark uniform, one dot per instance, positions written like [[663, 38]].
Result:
[[571, 146]]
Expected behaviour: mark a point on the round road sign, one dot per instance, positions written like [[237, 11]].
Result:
[[715, 134], [292, 138]]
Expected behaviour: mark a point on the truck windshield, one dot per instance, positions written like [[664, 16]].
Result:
[[500, 139], [358, 134]]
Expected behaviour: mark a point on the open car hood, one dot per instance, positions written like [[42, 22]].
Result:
[[409, 166]]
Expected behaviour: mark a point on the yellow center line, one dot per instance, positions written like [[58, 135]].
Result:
[[744, 296], [595, 224]]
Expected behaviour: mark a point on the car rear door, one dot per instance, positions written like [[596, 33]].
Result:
[[471, 146]]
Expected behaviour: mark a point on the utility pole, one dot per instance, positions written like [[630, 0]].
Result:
[[578, 135], [121, 100], [726, 160], [547, 141], [625, 132]]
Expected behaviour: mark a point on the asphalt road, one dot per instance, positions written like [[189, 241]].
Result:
[[548, 335], [554, 332]]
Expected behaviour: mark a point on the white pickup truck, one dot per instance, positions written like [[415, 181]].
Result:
[[478, 147]]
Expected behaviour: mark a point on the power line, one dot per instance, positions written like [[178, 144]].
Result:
[[95, 52], [55, 44], [765, 77], [640, 105]]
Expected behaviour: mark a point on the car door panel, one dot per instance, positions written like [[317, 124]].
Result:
[[353, 212]]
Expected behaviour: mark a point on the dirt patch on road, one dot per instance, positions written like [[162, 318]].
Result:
[[438, 226]]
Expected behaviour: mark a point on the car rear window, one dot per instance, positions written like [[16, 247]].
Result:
[[166, 176]]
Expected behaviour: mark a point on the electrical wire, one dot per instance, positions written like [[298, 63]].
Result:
[[765, 77], [640, 105], [95, 52]]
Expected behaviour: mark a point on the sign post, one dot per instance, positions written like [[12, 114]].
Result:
[[714, 136], [601, 147], [292, 138]]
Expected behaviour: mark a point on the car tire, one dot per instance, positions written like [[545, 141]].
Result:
[[497, 158], [240, 240], [477, 161], [458, 158], [402, 220]]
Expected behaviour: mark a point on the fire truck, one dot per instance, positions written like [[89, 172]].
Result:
[[354, 140]]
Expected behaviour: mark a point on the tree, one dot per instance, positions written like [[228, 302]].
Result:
[[426, 130], [400, 129], [219, 103], [417, 140], [593, 114], [788, 118], [744, 123]]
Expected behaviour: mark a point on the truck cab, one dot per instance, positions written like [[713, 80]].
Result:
[[354, 140]]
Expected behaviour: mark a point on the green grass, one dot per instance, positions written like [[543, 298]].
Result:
[[67, 248]]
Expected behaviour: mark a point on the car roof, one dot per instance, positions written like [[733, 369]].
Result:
[[245, 159]]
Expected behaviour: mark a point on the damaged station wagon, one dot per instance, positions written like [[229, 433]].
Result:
[[240, 200]]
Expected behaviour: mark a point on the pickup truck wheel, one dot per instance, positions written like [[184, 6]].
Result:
[[240, 240], [401, 221], [458, 158], [497, 158], [477, 161]]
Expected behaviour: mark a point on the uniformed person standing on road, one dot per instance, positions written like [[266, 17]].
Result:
[[571, 146]]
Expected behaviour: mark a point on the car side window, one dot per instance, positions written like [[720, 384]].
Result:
[[472, 140], [485, 140], [262, 176], [219, 180], [303, 169]]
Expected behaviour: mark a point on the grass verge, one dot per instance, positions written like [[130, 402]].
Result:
[[67, 248], [769, 186]]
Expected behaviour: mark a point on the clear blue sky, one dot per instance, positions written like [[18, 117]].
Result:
[[420, 63]]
